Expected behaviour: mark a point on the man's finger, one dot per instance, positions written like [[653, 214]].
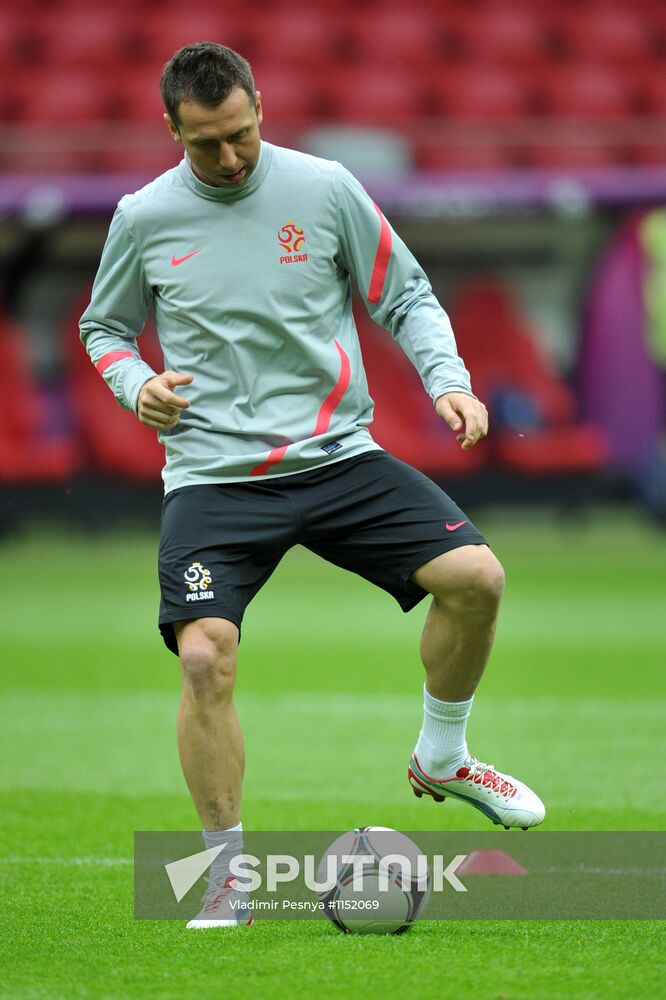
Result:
[[447, 412], [159, 412], [473, 430], [154, 418], [161, 394], [150, 402], [172, 379]]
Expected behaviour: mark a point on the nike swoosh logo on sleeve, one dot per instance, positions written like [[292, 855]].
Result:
[[454, 527], [175, 261]]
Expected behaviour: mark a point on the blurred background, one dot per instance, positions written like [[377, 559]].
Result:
[[518, 147], [520, 150]]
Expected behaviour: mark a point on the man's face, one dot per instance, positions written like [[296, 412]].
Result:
[[222, 143]]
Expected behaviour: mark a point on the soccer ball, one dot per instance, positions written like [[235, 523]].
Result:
[[386, 896]]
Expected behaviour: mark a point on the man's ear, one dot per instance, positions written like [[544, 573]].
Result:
[[173, 128], [257, 104]]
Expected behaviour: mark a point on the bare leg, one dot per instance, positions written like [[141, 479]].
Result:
[[210, 741], [466, 585]]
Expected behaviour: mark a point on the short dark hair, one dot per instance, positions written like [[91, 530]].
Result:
[[204, 72]]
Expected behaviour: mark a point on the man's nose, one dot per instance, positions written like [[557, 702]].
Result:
[[228, 158]]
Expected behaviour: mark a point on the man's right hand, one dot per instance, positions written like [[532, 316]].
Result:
[[159, 406]]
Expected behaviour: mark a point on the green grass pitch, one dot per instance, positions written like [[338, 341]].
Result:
[[329, 697]]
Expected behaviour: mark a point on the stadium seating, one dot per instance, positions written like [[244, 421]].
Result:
[[32, 450], [562, 155], [87, 37], [299, 41], [285, 96], [366, 94], [483, 91], [66, 97], [584, 90], [606, 32], [651, 86], [515, 34], [391, 64], [166, 31], [535, 430], [400, 41], [475, 155], [405, 421]]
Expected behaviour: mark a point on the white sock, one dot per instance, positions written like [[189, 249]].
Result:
[[442, 748], [233, 838]]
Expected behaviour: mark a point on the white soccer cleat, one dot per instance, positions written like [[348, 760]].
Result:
[[503, 799], [224, 905]]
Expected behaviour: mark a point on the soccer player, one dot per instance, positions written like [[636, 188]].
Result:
[[247, 253]]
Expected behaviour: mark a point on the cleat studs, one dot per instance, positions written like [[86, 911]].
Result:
[[438, 798], [506, 827], [524, 828], [417, 793]]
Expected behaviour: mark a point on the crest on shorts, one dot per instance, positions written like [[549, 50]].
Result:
[[197, 577]]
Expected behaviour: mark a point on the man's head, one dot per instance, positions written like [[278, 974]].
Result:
[[213, 109]]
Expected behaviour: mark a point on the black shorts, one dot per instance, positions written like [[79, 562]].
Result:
[[371, 514]]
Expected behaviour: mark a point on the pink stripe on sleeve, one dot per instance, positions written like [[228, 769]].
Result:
[[381, 259], [109, 359]]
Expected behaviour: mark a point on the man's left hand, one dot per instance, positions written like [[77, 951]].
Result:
[[464, 414]]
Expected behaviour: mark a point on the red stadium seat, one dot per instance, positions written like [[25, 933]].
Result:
[[482, 91], [285, 94], [405, 421], [138, 96], [477, 156], [293, 39], [16, 37], [509, 33], [588, 91], [553, 451], [88, 36], [170, 30], [394, 39], [143, 160], [510, 372], [647, 154], [372, 96], [63, 96], [651, 86], [29, 450], [568, 155], [607, 33]]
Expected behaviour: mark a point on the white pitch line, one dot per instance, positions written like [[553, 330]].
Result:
[[102, 862], [119, 862], [598, 870]]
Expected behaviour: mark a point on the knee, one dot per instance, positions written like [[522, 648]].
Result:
[[475, 584], [207, 650]]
